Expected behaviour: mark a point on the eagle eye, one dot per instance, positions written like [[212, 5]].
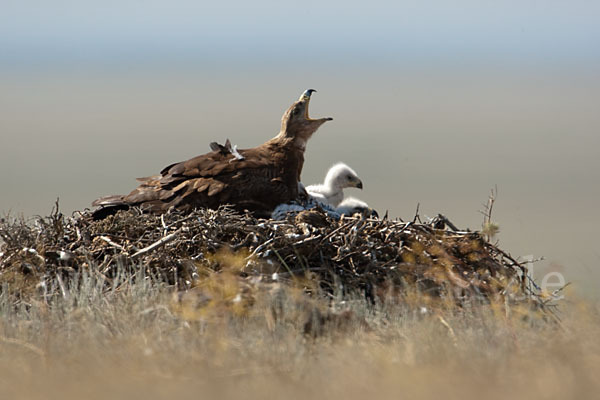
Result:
[[295, 111]]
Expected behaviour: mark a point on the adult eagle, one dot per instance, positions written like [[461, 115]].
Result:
[[256, 179]]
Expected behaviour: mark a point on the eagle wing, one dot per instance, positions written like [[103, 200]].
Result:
[[261, 179]]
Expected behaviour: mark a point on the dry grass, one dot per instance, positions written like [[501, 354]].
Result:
[[214, 312], [139, 339]]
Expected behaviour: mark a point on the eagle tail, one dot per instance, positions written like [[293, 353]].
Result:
[[108, 205]]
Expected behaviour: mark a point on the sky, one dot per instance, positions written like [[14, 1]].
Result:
[[434, 103], [125, 32]]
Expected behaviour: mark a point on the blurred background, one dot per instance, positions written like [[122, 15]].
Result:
[[434, 103]]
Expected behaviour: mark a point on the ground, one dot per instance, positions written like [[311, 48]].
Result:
[[109, 330], [139, 340]]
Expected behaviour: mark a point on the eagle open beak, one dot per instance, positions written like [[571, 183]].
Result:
[[359, 184], [305, 97]]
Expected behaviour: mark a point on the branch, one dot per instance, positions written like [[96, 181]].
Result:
[[156, 244], [113, 244]]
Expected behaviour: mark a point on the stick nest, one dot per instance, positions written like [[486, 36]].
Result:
[[379, 258]]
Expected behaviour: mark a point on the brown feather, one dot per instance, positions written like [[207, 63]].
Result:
[[258, 181]]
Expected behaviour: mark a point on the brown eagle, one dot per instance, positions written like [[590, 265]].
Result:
[[256, 179]]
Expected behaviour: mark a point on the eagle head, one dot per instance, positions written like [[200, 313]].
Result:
[[296, 123]]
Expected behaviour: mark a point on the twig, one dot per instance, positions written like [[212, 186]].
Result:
[[450, 330], [182, 220], [333, 232], [417, 217], [259, 248], [63, 290], [156, 244], [113, 244], [162, 221], [487, 226]]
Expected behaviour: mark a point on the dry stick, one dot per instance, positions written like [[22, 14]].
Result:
[[182, 220], [333, 232], [510, 258], [113, 244], [259, 248], [450, 330], [404, 228], [523, 268], [492, 200], [63, 289], [156, 244], [162, 221], [250, 237], [306, 240], [487, 210], [417, 217]]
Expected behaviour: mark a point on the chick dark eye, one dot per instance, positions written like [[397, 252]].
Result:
[[295, 111]]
